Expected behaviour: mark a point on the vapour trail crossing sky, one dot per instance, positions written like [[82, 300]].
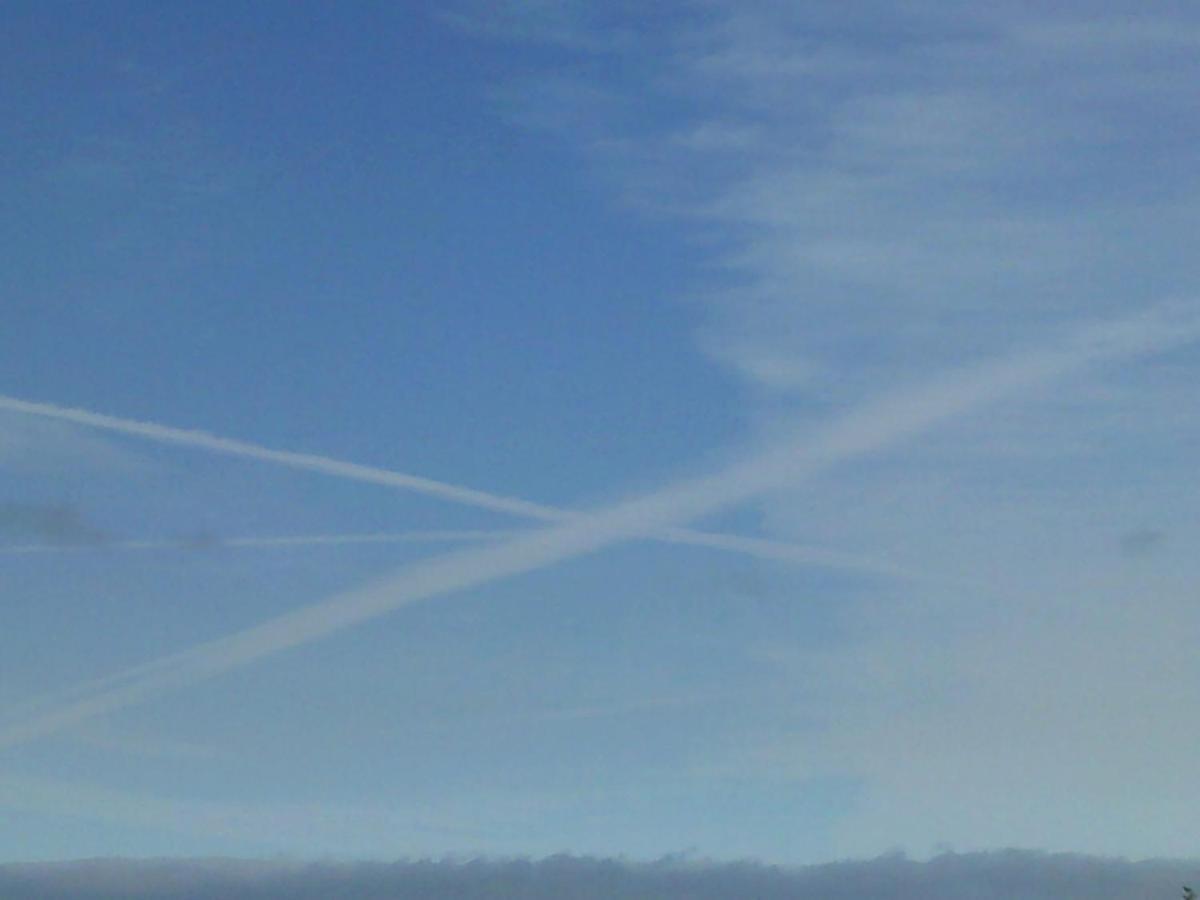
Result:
[[438, 489], [860, 431], [566, 254]]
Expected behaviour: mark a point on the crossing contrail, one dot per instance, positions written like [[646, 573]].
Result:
[[200, 440], [870, 427]]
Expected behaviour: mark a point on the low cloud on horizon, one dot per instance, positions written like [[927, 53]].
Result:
[[1025, 874]]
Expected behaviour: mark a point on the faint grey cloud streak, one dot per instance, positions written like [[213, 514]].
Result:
[[1142, 541], [61, 524]]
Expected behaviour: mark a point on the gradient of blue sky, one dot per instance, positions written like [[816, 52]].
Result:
[[566, 251]]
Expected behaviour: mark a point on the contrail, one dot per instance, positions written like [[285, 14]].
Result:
[[201, 440], [32, 705], [281, 542], [868, 428], [761, 547]]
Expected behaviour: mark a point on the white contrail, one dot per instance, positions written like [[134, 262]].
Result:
[[868, 428], [203, 441], [54, 698], [761, 547]]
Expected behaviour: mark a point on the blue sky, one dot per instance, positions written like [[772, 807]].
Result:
[[575, 254]]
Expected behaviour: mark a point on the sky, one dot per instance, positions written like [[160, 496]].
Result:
[[755, 430]]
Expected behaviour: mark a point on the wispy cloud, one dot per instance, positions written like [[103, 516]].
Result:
[[865, 429], [914, 184], [883, 187]]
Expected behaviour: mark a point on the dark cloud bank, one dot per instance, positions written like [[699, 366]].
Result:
[[976, 876]]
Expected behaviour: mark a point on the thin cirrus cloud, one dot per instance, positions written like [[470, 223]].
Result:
[[890, 187], [864, 429]]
